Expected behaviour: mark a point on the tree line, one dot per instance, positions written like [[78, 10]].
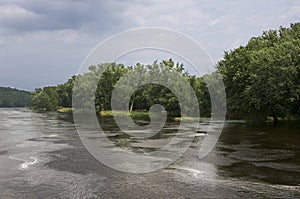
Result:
[[11, 97], [261, 78], [52, 97]]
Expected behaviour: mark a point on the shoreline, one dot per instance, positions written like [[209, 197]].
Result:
[[292, 122]]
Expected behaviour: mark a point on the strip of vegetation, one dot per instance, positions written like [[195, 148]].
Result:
[[64, 110], [133, 114], [179, 119]]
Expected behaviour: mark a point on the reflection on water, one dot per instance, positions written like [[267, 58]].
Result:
[[41, 156]]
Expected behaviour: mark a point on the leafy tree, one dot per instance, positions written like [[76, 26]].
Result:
[[200, 87], [41, 101], [106, 76], [262, 78], [65, 92], [45, 99]]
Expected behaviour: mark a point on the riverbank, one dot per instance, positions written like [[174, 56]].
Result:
[[294, 122], [285, 121], [134, 114], [65, 110]]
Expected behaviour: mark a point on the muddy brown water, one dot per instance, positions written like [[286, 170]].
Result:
[[41, 156]]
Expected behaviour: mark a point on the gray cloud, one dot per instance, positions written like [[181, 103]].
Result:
[[36, 15], [44, 42]]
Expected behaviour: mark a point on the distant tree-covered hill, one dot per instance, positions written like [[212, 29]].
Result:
[[11, 97]]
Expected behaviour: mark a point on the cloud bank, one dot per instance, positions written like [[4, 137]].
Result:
[[44, 42]]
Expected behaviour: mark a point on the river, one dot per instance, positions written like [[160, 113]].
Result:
[[41, 156]]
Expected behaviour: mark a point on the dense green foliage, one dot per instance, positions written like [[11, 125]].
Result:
[[262, 78], [51, 98], [11, 97]]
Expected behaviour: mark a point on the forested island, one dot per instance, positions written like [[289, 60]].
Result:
[[262, 81], [53, 97], [12, 97]]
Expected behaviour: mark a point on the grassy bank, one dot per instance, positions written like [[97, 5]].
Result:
[[133, 114], [145, 115], [64, 110], [192, 119]]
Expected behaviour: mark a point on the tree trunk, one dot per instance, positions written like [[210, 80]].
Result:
[[275, 120], [131, 106]]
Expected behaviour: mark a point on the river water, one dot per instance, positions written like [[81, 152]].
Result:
[[41, 156]]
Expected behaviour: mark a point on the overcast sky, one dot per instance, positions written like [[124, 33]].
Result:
[[44, 42]]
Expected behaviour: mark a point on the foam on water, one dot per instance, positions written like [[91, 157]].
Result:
[[26, 163], [29, 163], [52, 135]]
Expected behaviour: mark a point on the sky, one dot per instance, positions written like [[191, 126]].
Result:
[[44, 42]]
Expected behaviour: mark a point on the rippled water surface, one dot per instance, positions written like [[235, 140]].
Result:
[[41, 156]]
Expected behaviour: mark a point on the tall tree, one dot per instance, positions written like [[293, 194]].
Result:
[[262, 78]]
